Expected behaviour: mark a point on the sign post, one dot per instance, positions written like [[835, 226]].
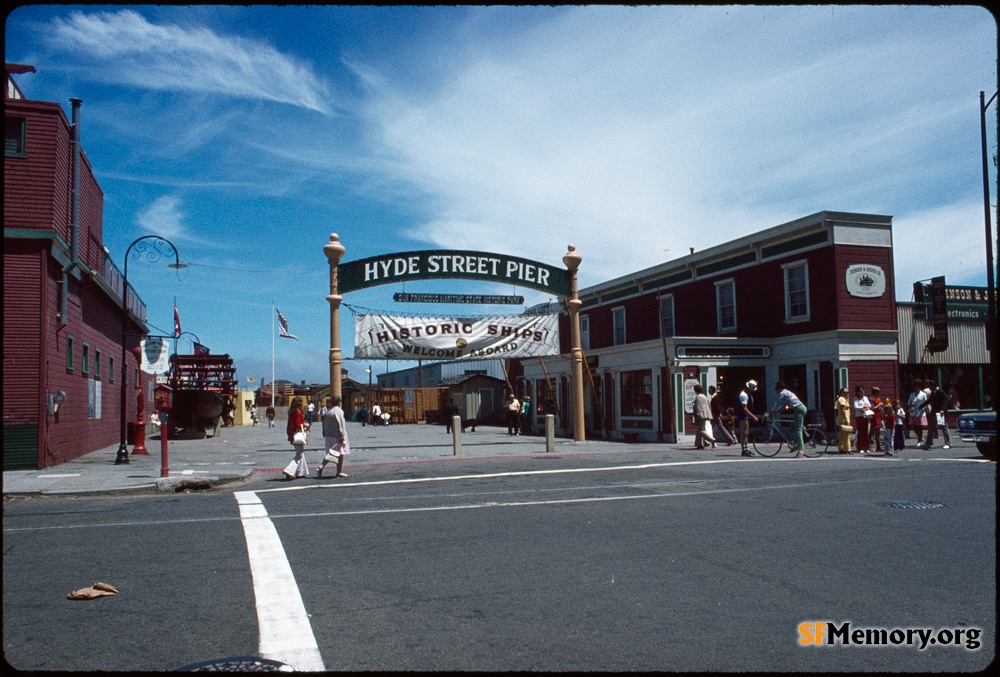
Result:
[[163, 400], [938, 342]]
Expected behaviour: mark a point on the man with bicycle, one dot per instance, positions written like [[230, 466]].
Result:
[[744, 414], [786, 398]]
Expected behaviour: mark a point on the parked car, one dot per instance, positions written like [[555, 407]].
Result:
[[980, 427]]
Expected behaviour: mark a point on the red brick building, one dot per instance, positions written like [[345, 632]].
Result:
[[61, 293], [810, 302]]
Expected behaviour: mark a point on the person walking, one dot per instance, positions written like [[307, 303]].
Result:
[[715, 401], [377, 415], [744, 414], [334, 438], [269, 412], [844, 428], [937, 416], [702, 420], [861, 410], [513, 411], [915, 410], [297, 430], [310, 412], [786, 398]]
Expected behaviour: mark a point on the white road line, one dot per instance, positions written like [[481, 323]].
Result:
[[285, 632], [526, 473]]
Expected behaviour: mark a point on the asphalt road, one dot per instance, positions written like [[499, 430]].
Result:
[[595, 563]]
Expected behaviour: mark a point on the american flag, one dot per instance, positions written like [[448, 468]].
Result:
[[283, 326]]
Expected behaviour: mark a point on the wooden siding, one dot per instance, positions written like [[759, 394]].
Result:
[[37, 188], [38, 197], [22, 417], [883, 374], [864, 313], [760, 301]]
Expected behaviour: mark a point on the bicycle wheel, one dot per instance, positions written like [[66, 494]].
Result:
[[816, 443], [767, 442]]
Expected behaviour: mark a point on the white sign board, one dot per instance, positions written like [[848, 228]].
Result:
[[155, 355], [435, 338], [865, 280]]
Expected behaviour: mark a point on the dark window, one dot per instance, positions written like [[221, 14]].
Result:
[[13, 136], [637, 393]]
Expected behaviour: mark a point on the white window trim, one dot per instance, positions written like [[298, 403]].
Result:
[[718, 308], [585, 332], [614, 329], [804, 263]]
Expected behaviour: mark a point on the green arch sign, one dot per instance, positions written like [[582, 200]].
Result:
[[451, 264]]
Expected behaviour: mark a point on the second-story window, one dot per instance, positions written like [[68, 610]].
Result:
[[725, 305], [796, 291], [585, 332], [13, 136], [667, 315], [618, 325]]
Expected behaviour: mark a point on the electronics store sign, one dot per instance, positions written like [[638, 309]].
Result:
[[431, 265], [865, 281]]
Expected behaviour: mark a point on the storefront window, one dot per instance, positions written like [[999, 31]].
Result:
[[637, 393]]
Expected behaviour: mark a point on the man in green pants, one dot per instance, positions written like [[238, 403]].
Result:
[[786, 398]]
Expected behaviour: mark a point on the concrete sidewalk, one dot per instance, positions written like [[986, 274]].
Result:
[[239, 452]]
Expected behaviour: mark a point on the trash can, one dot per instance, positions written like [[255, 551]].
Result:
[[130, 432]]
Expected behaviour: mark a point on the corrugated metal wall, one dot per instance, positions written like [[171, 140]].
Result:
[[966, 340]]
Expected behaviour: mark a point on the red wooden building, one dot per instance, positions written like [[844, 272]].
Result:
[[810, 302], [61, 293]]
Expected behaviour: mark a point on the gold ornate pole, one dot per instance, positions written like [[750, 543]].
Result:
[[572, 261], [334, 252]]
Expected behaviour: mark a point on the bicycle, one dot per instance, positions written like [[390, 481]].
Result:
[[768, 442]]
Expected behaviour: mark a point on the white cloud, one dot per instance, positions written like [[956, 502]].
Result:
[[163, 217], [638, 133], [126, 48]]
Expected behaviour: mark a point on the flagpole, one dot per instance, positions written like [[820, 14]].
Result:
[[273, 311]]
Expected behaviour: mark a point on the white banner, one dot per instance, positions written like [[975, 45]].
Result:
[[435, 338], [155, 355]]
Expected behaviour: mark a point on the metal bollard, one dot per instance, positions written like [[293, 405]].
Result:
[[550, 433], [164, 428], [456, 434]]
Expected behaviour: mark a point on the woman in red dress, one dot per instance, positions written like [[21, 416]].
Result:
[[296, 423]]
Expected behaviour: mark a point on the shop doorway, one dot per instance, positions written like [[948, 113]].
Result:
[[730, 381]]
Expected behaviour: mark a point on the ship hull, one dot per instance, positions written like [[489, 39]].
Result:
[[196, 409]]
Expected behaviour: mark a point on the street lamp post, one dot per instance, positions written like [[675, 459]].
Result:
[[152, 248], [991, 295]]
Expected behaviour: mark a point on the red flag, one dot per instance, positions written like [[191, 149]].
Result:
[[177, 321]]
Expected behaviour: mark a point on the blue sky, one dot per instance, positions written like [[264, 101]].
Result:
[[246, 135]]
